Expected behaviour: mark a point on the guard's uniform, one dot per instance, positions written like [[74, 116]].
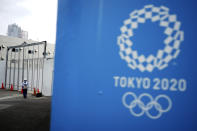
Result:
[[24, 86]]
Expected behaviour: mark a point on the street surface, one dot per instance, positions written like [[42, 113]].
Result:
[[19, 114]]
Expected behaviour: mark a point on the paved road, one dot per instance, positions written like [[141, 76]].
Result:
[[19, 114]]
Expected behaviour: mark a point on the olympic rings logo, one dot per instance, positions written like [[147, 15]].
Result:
[[145, 108], [174, 37]]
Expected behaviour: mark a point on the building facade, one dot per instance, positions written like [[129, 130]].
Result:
[[15, 31]]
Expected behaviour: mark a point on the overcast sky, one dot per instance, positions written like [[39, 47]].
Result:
[[38, 17]]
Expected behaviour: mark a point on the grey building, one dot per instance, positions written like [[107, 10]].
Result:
[[15, 31]]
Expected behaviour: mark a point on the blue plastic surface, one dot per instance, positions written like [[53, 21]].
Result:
[[95, 89]]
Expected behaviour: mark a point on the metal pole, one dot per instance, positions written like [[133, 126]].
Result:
[[27, 59], [6, 67], [14, 67], [35, 78], [10, 70], [26, 45], [44, 56], [19, 54], [23, 45], [38, 67], [32, 78], [42, 69], [39, 74], [23, 65]]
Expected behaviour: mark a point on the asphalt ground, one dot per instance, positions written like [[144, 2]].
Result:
[[19, 114]]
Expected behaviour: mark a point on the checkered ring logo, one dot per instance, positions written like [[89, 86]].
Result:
[[174, 37]]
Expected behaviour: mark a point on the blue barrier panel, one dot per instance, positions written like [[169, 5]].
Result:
[[125, 65]]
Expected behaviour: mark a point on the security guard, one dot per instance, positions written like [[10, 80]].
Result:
[[24, 86]]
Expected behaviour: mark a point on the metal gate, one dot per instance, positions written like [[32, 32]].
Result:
[[25, 61]]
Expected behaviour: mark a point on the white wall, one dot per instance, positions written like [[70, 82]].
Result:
[[48, 77], [2, 71], [47, 81]]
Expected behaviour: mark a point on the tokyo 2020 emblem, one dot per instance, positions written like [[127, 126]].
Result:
[[174, 37], [138, 61]]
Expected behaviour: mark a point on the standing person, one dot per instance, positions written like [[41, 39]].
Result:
[[24, 86]]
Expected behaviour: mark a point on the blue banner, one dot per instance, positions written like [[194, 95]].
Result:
[[125, 65]]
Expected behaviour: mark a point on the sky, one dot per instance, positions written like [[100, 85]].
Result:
[[38, 17]]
